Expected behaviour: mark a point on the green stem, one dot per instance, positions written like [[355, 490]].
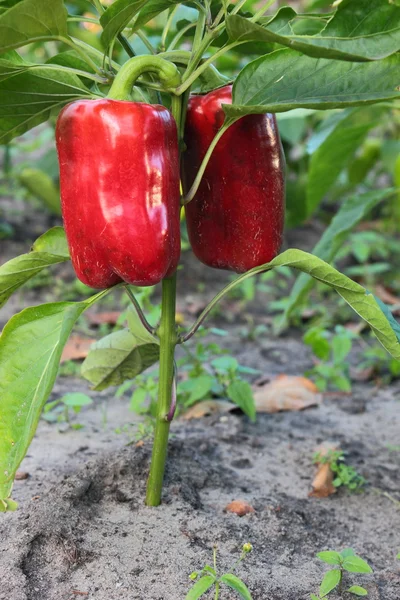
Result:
[[167, 27], [168, 338], [167, 73], [199, 321], [188, 81], [139, 311], [195, 186], [82, 19], [81, 53], [216, 590], [146, 42], [180, 34], [238, 7], [262, 11]]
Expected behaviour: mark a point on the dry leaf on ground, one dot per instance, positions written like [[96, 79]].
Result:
[[239, 508], [323, 481], [286, 392], [208, 407], [385, 295], [76, 348]]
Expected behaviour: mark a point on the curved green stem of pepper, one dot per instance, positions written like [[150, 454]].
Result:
[[195, 186], [139, 311], [166, 71]]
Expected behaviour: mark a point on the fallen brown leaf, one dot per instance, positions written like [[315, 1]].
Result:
[[208, 407], [323, 481], [239, 508], [385, 295], [76, 348], [286, 393]]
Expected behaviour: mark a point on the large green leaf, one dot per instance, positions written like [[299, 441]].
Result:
[[32, 21], [359, 30], [337, 149], [117, 16], [121, 355], [360, 300], [350, 213], [50, 249], [28, 94], [30, 350], [285, 79]]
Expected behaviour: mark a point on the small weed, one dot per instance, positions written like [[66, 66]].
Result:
[[331, 350], [343, 561], [207, 372], [209, 578], [58, 411], [345, 475]]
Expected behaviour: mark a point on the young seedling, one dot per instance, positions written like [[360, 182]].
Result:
[[343, 561], [345, 475], [208, 578], [59, 410]]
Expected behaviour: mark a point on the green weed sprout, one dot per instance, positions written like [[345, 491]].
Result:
[[343, 561], [208, 577]]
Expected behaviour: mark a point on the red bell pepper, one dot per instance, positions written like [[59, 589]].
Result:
[[235, 220], [119, 176]]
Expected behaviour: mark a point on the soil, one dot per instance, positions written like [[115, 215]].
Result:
[[82, 529]]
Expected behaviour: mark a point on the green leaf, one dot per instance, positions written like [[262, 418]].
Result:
[[31, 345], [330, 557], [334, 154], [240, 393], [236, 584], [29, 93], [314, 597], [330, 581], [200, 587], [118, 357], [32, 21], [353, 210], [388, 314], [341, 346], [117, 16], [355, 564], [42, 186], [54, 241], [50, 249], [197, 388], [285, 79], [357, 590], [359, 30], [360, 300], [151, 10], [76, 399], [347, 552]]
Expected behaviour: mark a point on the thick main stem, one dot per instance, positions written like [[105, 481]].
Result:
[[168, 339]]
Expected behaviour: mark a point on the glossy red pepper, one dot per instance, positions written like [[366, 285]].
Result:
[[236, 218], [119, 176]]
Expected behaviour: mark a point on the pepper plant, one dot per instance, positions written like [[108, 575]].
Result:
[[127, 127]]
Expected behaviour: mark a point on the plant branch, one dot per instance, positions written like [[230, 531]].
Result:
[[139, 311], [195, 186], [262, 11], [167, 27]]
